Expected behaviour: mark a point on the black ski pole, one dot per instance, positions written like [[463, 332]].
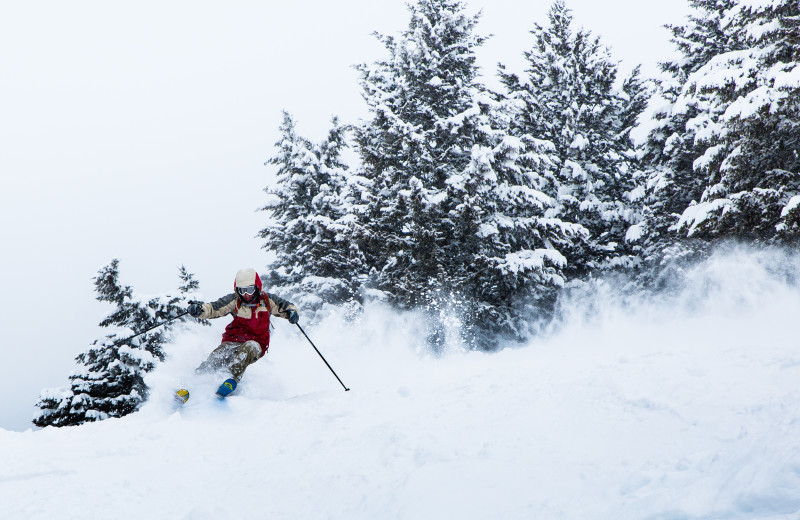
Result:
[[148, 329], [323, 357]]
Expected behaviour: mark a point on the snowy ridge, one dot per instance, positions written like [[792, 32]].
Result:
[[685, 405]]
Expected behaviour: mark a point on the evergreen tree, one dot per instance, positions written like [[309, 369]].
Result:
[[109, 378], [317, 260], [672, 135], [750, 160], [511, 249], [567, 98], [455, 217], [420, 136], [189, 284]]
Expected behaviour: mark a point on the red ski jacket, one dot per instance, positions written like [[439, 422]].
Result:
[[250, 322]]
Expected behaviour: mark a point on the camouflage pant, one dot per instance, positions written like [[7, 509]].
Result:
[[233, 357]]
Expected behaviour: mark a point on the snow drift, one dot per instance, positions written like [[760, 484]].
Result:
[[681, 405]]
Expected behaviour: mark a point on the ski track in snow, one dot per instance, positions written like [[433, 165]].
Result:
[[684, 408]]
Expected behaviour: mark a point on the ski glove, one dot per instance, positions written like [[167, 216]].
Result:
[[195, 309], [293, 317]]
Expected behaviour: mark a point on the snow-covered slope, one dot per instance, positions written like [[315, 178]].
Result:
[[685, 406]]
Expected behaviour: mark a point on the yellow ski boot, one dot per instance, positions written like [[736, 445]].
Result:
[[182, 395]]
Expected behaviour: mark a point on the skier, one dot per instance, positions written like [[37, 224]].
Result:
[[246, 338]]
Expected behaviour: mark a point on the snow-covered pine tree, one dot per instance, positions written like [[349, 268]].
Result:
[[189, 283], [567, 97], [420, 135], [316, 259], [109, 378], [511, 249], [750, 160], [455, 219], [672, 130]]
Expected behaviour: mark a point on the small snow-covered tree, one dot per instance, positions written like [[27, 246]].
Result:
[[317, 261], [189, 283], [567, 97], [109, 378]]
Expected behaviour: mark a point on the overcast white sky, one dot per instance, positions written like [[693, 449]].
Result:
[[138, 131]]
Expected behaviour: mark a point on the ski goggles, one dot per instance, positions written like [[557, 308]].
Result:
[[249, 290]]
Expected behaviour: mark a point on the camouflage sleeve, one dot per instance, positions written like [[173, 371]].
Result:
[[280, 307], [221, 307]]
